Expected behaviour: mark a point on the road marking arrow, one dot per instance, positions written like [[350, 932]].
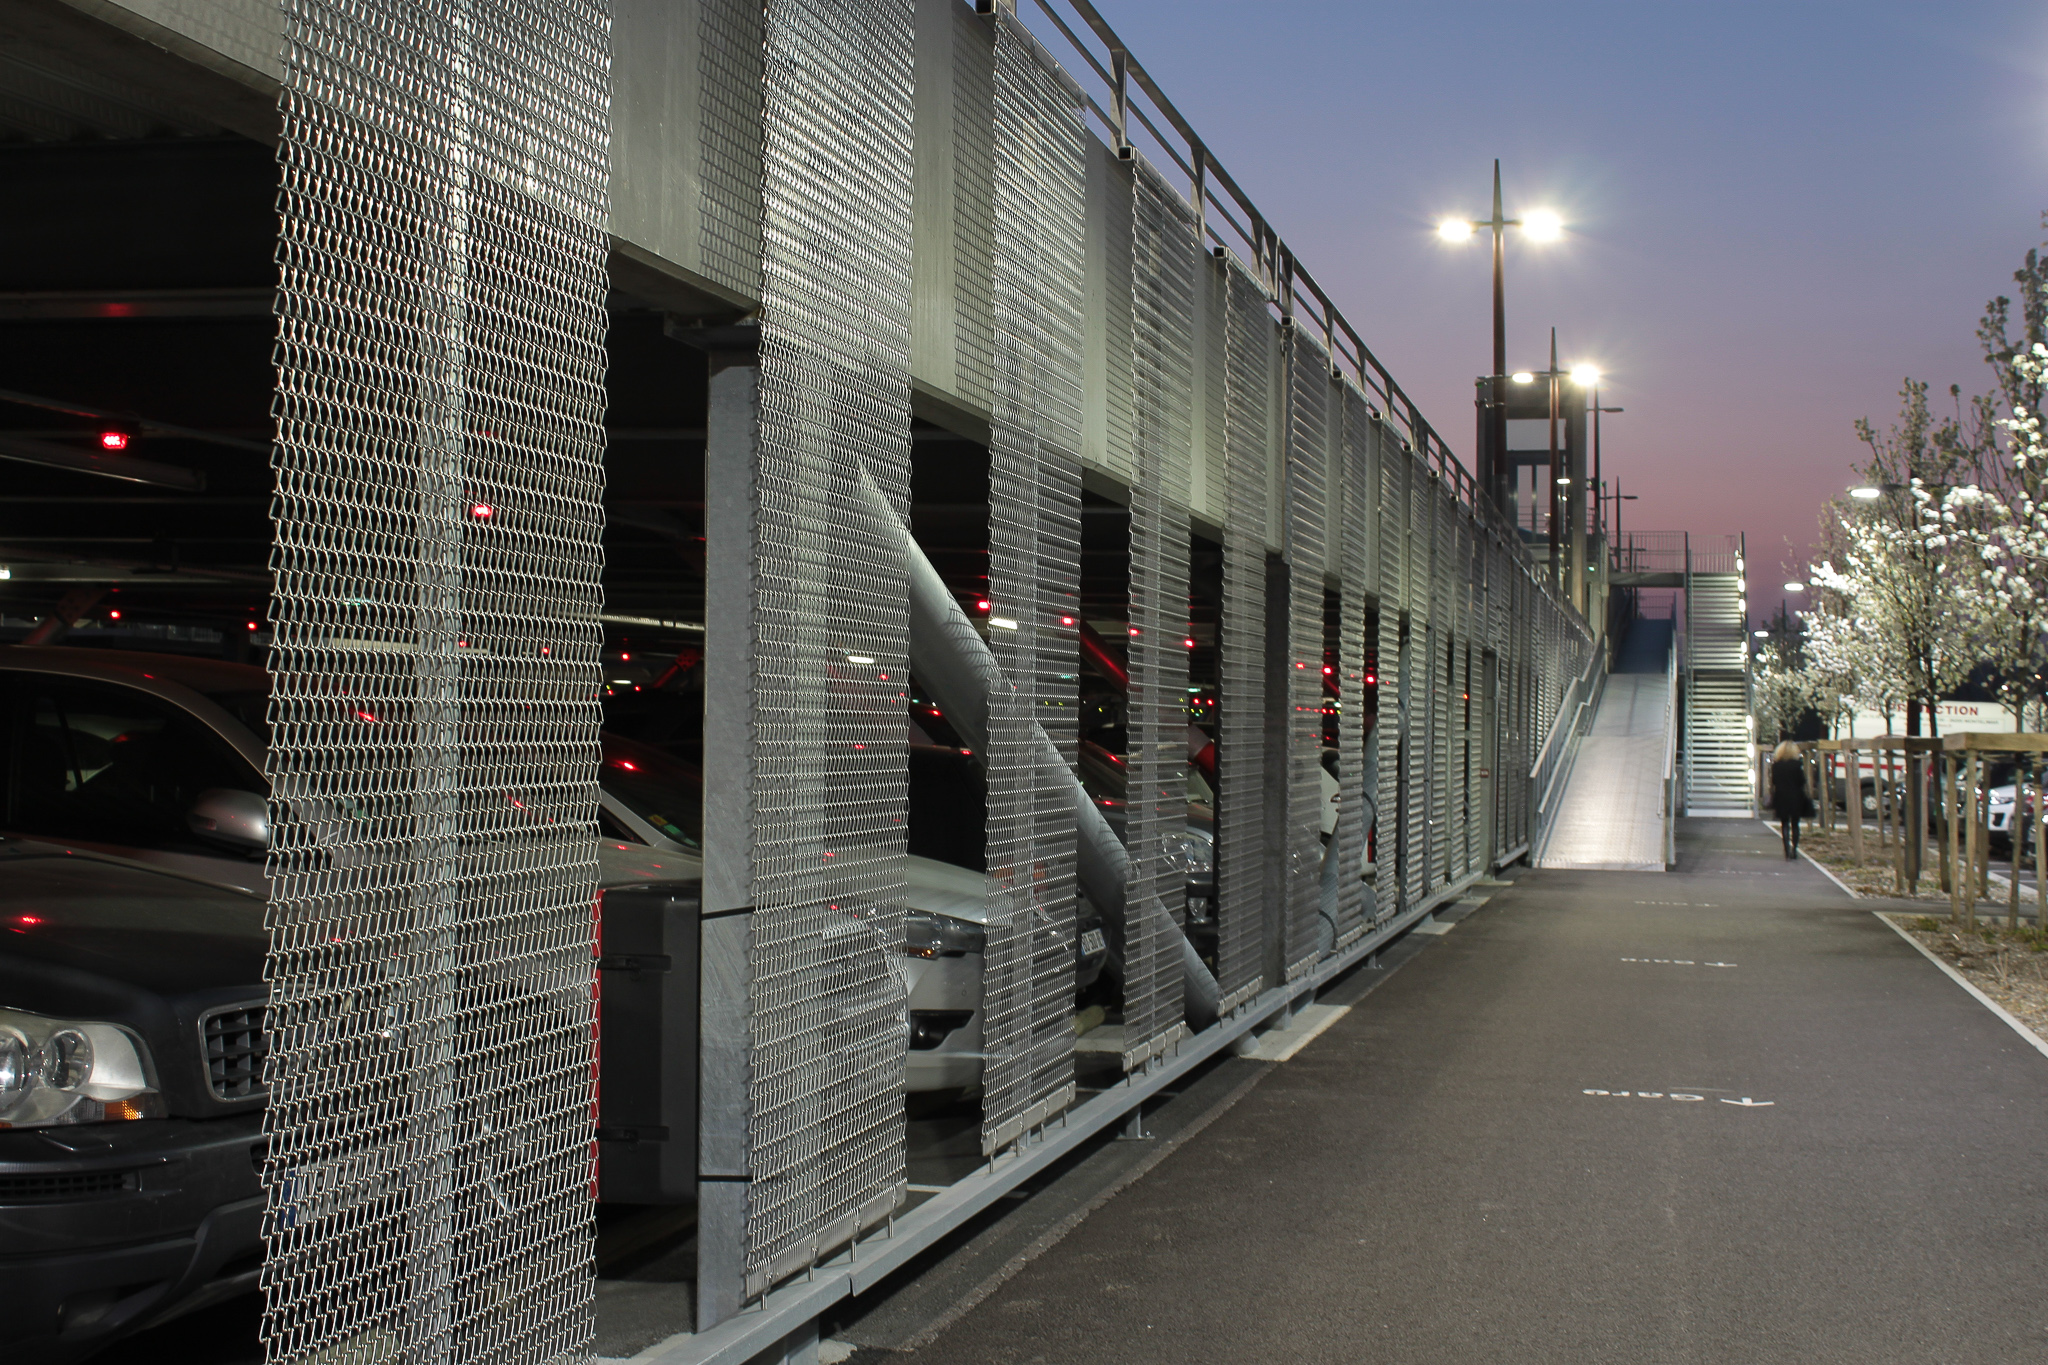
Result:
[[1747, 1103]]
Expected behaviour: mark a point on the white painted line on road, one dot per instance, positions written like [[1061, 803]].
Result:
[[1688, 905], [1677, 962], [1744, 1103], [1952, 974]]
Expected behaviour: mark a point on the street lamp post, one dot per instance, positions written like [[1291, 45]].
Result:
[[1540, 226]]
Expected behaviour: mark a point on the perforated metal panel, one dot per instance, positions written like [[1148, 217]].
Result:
[[1352, 437], [1308, 445], [1241, 728], [1034, 590], [434, 669], [830, 621], [1162, 334]]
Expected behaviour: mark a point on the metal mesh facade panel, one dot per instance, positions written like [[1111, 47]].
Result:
[[1033, 582], [1415, 688], [1443, 565], [1392, 547], [1162, 332], [1308, 457], [729, 112], [1353, 509], [1241, 728], [826, 1007], [433, 764], [975, 220]]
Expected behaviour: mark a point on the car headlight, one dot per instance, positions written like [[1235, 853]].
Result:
[[1190, 855], [929, 935], [56, 1071]]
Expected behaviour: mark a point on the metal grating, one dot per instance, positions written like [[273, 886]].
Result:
[[829, 591], [1034, 582], [1241, 728], [1307, 436], [1443, 621], [1162, 365], [1354, 567], [434, 667]]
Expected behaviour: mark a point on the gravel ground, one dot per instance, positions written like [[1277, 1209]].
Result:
[[1873, 874], [2009, 966]]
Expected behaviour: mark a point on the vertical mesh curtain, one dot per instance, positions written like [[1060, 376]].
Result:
[[831, 622], [1416, 674], [1034, 584], [433, 765], [1307, 492], [1443, 565], [1390, 877], [974, 214], [729, 121], [1241, 726], [1354, 513], [1162, 332]]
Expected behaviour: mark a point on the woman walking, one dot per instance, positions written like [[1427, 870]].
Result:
[[1788, 793]]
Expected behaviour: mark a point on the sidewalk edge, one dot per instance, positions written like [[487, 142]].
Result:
[[1952, 974]]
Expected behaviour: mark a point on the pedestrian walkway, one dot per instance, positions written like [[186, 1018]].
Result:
[[1612, 812], [1719, 1115]]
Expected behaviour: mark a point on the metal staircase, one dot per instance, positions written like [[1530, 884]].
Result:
[[1713, 657], [1717, 737]]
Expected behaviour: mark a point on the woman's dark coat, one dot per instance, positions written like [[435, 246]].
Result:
[[1788, 789]]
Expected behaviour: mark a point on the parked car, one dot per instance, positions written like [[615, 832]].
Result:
[[131, 1126], [158, 758]]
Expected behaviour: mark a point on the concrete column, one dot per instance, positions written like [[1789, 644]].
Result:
[[732, 434]]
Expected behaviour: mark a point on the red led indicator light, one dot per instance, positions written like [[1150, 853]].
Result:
[[113, 440], [483, 511]]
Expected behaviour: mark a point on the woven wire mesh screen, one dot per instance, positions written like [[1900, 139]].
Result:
[[1354, 568], [1443, 569], [1389, 731], [1162, 334], [1034, 584], [1464, 811], [1241, 728], [434, 668], [729, 119], [830, 618], [1415, 687], [1308, 494], [975, 123]]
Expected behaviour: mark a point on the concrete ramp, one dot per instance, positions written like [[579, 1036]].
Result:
[[1612, 814]]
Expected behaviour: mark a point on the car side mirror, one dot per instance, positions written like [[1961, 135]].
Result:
[[233, 819]]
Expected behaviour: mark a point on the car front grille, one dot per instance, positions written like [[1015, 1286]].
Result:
[[235, 1048], [15, 1189]]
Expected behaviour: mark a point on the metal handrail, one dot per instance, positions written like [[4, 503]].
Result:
[[1135, 117], [1552, 765], [1671, 752]]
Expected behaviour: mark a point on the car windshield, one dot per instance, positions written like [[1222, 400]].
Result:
[[664, 791]]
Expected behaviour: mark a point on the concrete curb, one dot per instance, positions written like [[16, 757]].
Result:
[[1952, 974]]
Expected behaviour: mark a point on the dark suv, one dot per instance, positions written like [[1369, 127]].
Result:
[[130, 1096]]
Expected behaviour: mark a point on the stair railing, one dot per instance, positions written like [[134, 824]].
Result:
[[1671, 776]]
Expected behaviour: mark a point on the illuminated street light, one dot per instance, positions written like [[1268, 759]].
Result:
[[1866, 494], [1540, 227], [1795, 587], [1523, 377], [1585, 376]]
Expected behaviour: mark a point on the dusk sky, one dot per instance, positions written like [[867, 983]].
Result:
[[1777, 211]]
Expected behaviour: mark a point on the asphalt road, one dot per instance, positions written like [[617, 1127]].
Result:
[[1863, 1176]]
